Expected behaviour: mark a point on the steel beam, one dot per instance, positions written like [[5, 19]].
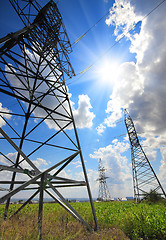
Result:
[[144, 176]]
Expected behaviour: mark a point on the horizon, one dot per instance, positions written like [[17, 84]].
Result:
[[124, 69]]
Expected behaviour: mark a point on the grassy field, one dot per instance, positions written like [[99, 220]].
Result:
[[117, 220]]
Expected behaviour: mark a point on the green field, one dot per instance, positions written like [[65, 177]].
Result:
[[117, 220]]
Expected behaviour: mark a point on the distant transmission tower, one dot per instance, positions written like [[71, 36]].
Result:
[[104, 194], [36, 115], [144, 177]]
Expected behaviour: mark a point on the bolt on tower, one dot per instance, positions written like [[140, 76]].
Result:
[[36, 119], [104, 194], [144, 177]]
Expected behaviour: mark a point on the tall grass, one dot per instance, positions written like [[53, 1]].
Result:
[[117, 220]]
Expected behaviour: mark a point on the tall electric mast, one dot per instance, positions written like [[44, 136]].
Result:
[[144, 177], [39, 124], [104, 194]]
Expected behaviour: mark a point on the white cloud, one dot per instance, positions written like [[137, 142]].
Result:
[[11, 156], [82, 115], [140, 86], [92, 177], [76, 192], [40, 162], [7, 116], [162, 172], [80, 192], [100, 129], [123, 17], [129, 85], [76, 162], [116, 164]]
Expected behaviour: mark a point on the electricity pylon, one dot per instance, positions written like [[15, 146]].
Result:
[[144, 177], [38, 122], [104, 194]]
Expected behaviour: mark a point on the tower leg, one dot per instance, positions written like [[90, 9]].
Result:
[[40, 213]]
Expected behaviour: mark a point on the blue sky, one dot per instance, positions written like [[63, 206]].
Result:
[[131, 74]]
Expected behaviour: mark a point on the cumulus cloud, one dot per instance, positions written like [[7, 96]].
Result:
[[123, 17], [130, 83], [100, 129], [82, 115], [140, 85], [40, 162], [4, 110], [77, 192], [93, 175], [162, 175], [7, 175], [77, 164], [117, 167], [53, 96], [10, 158]]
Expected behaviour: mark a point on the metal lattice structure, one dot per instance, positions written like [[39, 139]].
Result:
[[36, 114], [144, 177], [104, 194]]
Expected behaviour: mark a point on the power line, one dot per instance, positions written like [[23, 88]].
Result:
[[124, 35], [77, 40]]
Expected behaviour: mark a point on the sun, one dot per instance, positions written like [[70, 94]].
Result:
[[108, 71]]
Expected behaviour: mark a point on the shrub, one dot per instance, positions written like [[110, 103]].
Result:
[[153, 196]]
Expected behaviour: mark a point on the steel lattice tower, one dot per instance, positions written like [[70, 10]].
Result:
[[104, 194], [144, 177], [40, 124]]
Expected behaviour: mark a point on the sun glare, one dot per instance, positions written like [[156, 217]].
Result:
[[108, 72]]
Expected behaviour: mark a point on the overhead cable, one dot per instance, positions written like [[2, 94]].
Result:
[[77, 40], [124, 35]]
